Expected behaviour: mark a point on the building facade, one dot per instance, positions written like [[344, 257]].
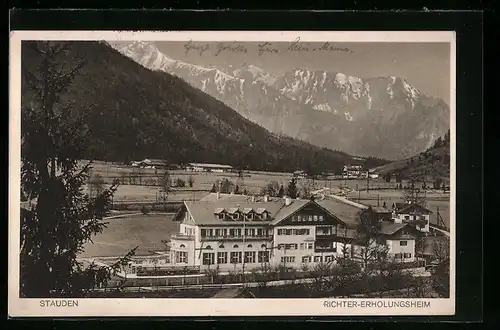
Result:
[[412, 213], [242, 235]]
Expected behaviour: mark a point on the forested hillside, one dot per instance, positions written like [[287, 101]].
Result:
[[135, 113]]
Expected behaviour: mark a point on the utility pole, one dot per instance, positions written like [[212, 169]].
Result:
[[367, 181], [243, 251]]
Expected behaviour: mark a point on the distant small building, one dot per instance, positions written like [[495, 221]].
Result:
[[216, 168], [150, 163], [353, 172], [299, 174]]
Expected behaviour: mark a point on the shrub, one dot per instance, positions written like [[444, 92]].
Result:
[[145, 210]]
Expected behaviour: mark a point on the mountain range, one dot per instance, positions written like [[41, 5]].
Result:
[[136, 113], [384, 117]]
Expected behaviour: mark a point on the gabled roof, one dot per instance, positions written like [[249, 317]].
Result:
[[344, 212], [211, 165], [389, 228], [203, 212], [407, 208]]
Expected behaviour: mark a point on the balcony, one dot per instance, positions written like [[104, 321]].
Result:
[[183, 237], [236, 238], [320, 249]]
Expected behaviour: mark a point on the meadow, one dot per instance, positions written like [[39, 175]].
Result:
[[124, 234]]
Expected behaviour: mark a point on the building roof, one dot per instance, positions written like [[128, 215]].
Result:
[[212, 197], [203, 212], [405, 207], [389, 228], [210, 165], [381, 209], [345, 212]]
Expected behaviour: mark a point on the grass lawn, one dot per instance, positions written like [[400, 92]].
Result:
[[123, 234]]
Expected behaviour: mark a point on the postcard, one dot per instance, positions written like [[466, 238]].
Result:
[[232, 173]]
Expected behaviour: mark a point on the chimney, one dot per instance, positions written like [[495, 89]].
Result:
[[217, 195], [266, 198], [288, 201]]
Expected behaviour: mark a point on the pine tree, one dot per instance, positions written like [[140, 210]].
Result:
[[281, 192], [292, 189], [55, 229], [214, 188]]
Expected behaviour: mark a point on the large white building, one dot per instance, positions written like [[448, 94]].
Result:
[[235, 232]]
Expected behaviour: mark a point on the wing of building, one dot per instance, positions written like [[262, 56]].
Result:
[[237, 232]]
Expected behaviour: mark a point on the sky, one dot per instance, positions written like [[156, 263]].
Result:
[[426, 66]]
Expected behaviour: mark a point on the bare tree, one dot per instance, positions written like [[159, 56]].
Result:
[[271, 189], [414, 195]]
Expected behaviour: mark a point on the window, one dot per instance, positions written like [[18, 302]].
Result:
[[182, 246], [208, 247], [302, 245], [236, 216], [249, 245], [288, 259], [181, 257], [403, 243], [320, 218], [203, 233], [232, 233], [236, 257], [407, 217], [263, 246], [263, 256], [280, 232], [299, 218], [288, 232], [208, 258], [249, 257], [250, 216], [407, 255], [310, 218], [306, 259], [222, 257], [328, 258], [264, 215], [260, 232], [221, 216], [237, 232], [235, 246], [315, 218], [310, 246], [221, 246], [318, 259], [281, 246], [398, 256]]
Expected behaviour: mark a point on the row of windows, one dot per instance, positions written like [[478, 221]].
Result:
[[308, 218], [307, 259], [233, 232], [222, 246], [189, 231], [235, 257], [402, 255], [294, 246], [237, 216], [303, 231]]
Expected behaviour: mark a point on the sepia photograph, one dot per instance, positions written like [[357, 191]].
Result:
[[265, 170]]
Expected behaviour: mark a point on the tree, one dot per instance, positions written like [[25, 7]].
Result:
[[388, 177], [368, 232], [214, 188], [441, 276], [291, 190], [54, 138], [165, 183], [226, 186], [190, 181], [180, 183], [281, 191], [437, 183], [236, 190], [95, 185], [415, 195], [271, 189]]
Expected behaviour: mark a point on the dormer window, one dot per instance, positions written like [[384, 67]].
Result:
[[220, 213], [236, 216], [250, 216]]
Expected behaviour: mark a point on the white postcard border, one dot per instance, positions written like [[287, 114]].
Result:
[[18, 307]]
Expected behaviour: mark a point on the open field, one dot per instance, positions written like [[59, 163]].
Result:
[[123, 234]]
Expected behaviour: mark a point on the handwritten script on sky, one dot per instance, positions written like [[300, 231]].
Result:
[[262, 48]]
